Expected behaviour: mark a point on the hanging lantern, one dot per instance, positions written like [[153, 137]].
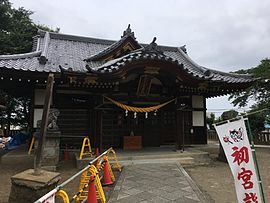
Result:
[[126, 112], [155, 112], [135, 114], [146, 115]]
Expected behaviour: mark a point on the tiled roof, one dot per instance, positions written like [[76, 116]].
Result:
[[53, 50], [126, 35]]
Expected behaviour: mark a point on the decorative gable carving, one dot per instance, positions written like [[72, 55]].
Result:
[[126, 44], [144, 85]]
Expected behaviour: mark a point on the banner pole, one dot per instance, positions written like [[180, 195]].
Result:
[[241, 116], [255, 157]]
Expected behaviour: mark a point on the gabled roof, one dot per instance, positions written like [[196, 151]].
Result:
[[54, 52], [128, 36]]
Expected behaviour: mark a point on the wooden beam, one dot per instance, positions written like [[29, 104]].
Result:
[[44, 123]]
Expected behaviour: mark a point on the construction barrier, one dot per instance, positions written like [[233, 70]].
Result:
[[86, 145], [64, 196], [31, 145], [116, 164], [90, 189]]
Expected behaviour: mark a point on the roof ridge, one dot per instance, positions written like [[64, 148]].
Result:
[[78, 38], [20, 56], [201, 68], [108, 42], [163, 47], [230, 73], [43, 57]]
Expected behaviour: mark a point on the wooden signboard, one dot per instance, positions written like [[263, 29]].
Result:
[[132, 142]]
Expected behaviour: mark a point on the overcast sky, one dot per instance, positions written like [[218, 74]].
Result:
[[225, 35]]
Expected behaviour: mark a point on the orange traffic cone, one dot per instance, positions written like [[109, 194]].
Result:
[[92, 196], [66, 156], [107, 180], [97, 152]]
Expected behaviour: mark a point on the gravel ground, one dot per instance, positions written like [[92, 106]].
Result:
[[216, 181]]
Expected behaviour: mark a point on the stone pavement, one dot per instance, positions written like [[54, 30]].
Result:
[[155, 183]]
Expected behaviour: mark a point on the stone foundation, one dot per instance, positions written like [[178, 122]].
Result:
[[51, 150], [27, 187]]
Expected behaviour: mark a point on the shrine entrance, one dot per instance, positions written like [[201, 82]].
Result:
[[156, 130]]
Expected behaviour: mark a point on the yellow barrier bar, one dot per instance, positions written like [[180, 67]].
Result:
[[116, 164], [86, 143], [64, 196], [83, 191], [31, 145], [100, 192]]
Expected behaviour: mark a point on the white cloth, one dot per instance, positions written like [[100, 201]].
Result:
[[234, 140]]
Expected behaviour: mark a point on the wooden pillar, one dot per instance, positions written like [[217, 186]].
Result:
[[44, 123], [98, 129], [94, 127], [179, 130], [205, 123]]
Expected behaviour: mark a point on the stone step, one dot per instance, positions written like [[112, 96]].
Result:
[[129, 156], [185, 158], [183, 161]]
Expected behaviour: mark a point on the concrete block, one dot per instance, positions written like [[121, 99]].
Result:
[[27, 187]]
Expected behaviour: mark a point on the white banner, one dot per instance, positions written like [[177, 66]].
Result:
[[234, 140]]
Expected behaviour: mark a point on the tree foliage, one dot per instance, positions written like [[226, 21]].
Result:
[[17, 29], [229, 115], [16, 36], [210, 120], [260, 91], [17, 111]]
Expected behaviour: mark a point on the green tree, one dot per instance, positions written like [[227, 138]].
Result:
[[260, 91], [226, 115], [210, 120], [16, 36], [17, 29], [16, 112]]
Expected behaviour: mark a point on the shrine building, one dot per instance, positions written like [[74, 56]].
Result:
[[109, 90]]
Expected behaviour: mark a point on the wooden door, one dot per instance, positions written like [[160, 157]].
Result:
[[74, 125], [168, 127], [151, 134]]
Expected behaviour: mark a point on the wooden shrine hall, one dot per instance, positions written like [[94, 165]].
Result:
[[115, 90]]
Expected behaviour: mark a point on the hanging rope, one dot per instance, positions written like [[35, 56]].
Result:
[[139, 109]]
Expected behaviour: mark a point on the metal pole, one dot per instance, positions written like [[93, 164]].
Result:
[[255, 157], [239, 117]]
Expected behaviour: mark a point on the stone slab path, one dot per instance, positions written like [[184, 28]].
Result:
[[155, 183]]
